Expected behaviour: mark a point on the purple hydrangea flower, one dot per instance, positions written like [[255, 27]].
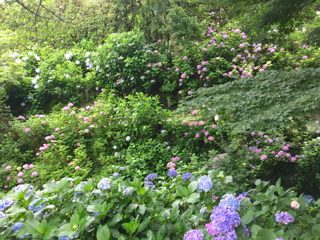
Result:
[[230, 200], [104, 183], [122, 168], [203, 210], [242, 196], [5, 203], [193, 234], [116, 174], [151, 176], [284, 217], [149, 184], [22, 188], [252, 134], [229, 236], [224, 220], [204, 183], [186, 176], [172, 173], [263, 157]]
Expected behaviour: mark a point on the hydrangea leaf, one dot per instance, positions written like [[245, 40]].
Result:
[[103, 233], [265, 234]]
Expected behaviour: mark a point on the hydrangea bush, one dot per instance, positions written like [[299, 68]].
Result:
[[114, 208]]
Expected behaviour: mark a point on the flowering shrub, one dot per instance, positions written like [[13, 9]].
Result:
[[111, 208]]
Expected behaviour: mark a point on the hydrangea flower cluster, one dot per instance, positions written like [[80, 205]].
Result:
[[284, 217], [5, 203], [204, 183], [22, 188], [193, 234], [37, 208], [65, 237], [172, 173], [151, 176], [231, 201], [2, 215], [149, 184], [242, 196], [126, 191], [309, 199], [17, 226], [224, 220], [104, 183], [187, 176], [203, 210]]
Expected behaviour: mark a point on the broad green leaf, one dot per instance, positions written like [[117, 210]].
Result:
[[306, 219], [265, 234], [254, 230], [32, 226], [182, 191], [192, 186], [247, 218], [194, 197], [260, 197], [144, 224], [49, 233], [142, 209], [161, 232], [228, 179], [131, 207], [316, 230], [114, 220], [43, 226], [103, 233]]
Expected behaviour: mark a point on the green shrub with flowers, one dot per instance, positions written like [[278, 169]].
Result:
[[128, 63], [181, 205]]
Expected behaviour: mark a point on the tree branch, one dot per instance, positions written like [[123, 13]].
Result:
[[54, 14], [24, 6]]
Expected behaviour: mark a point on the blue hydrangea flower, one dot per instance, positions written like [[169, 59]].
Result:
[[186, 176], [224, 220], [27, 235], [122, 168], [95, 214], [65, 237], [17, 226], [193, 234], [116, 174], [228, 236], [204, 183], [77, 193], [22, 187], [126, 191], [149, 184], [2, 215], [309, 199], [284, 217], [242, 196], [163, 131], [37, 208], [5, 203], [151, 176], [104, 183], [203, 210], [230, 200], [172, 173]]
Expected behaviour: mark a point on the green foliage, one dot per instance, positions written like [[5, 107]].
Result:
[[273, 100]]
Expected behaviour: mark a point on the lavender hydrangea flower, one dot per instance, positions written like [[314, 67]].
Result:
[[229, 236], [242, 196], [149, 184], [224, 220], [126, 191], [284, 217], [5, 203], [246, 231], [65, 237], [186, 176], [104, 183], [204, 183], [22, 188], [172, 173], [193, 234], [203, 210], [279, 239], [116, 174], [2, 215], [122, 168], [231, 201], [151, 176]]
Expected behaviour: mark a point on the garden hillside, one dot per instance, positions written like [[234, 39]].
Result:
[[159, 120]]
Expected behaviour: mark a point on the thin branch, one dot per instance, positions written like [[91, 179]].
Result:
[[24, 6], [35, 20], [54, 14]]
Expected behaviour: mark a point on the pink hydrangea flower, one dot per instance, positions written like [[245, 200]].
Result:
[[86, 130], [7, 167], [185, 58], [8, 178], [189, 92], [78, 144], [27, 129], [20, 174], [201, 123], [26, 166], [20, 180], [71, 163], [34, 174], [57, 129], [77, 168], [31, 166]]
